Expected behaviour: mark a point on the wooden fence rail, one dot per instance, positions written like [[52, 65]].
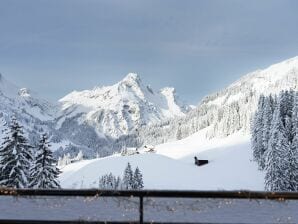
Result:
[[250, 195]]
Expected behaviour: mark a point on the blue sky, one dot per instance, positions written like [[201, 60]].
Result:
[[56, 46]]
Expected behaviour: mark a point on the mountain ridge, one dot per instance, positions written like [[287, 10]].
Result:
[[130, 113], [118, 109], [91, 120], [229, 110]]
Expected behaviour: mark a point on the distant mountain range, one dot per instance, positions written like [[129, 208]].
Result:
[[91, 119], [130, 113], [120, 109]]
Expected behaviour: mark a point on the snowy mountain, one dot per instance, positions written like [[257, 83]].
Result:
[[14, 99], [130, 113], [229, 110], [32, 112], [217, 130], [97, 121], [121, 108], [236, 104]]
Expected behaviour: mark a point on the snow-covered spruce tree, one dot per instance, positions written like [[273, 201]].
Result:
[[109, 182], [179, 132], [15, 157], [292, 156], [128, 178], [292, 166], [267, 116], [80, 156], [276, 162], [289, 112], [64, 160], [257, 133], [279, 140], [138, 180], [44, 172], [286, 101]]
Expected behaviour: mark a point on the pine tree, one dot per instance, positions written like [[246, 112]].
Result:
[[286, 101], [64, 160], [128, 180], [138, 180], [277, 153], [15, 158], [257, 134], [179, 132], [293, 154], [118, 183], [267, 117], [292, 166], [80, 156], [109, 182], [295, 115], [275, 178], [44, 172]]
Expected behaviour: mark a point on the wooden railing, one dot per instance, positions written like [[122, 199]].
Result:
[[280, 196]]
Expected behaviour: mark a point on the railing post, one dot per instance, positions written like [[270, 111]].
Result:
[[141, 209]]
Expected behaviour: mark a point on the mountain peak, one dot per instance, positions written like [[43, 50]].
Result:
[[119, 109], [24, 92], [168, 90], [131, 78]]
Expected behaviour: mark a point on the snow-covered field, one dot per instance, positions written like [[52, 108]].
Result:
[[172, 166]]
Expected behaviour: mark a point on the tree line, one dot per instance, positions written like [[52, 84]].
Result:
[[23, 165], [275, 140], [130, 180]]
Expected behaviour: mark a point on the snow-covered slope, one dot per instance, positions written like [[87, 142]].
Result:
[[33, 113], [15, 100], [119, 109], [232, 108], [218, 130], [229, 110], [173, 166]]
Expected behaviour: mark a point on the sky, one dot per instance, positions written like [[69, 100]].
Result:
[[56, 46]]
